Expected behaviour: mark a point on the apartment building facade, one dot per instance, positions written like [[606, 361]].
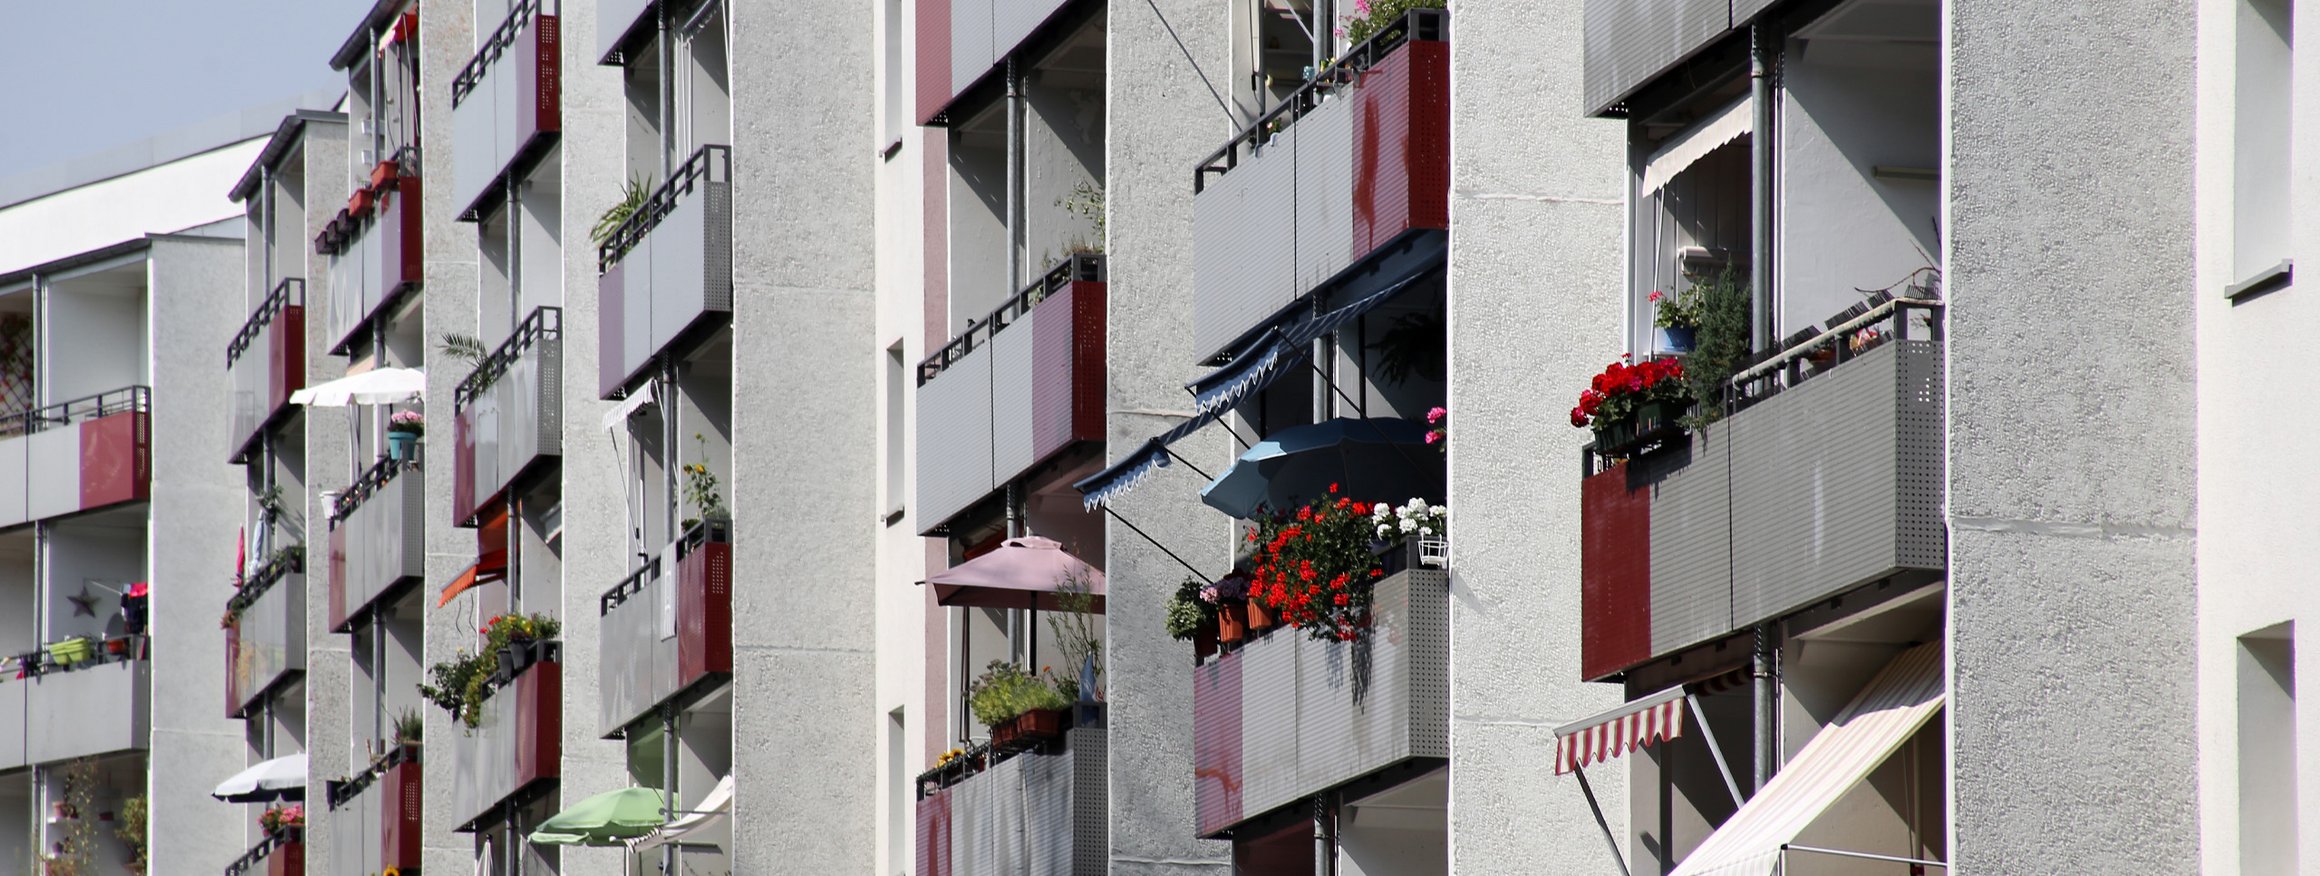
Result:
[[776, 369]]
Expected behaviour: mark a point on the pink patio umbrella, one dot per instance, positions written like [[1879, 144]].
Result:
[[1024, 572]]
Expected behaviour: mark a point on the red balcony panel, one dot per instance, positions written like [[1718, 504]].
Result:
[[704, 612], [116, 459], [934, 58], [1216, 744], [463, 498], [285, 356], [538, 108], [1401, 130], [539, 693], [399, 818], [288, 859], [1614, 574], [400, 208], [337, 578], [934, 834], [233, 678], [1067, 378]]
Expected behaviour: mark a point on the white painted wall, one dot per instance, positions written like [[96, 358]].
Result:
[[169, 197], [1840, 228]]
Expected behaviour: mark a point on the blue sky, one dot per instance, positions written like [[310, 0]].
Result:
[[83, 76]]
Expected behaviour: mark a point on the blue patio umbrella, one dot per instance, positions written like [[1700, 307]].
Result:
[[1379, 459]]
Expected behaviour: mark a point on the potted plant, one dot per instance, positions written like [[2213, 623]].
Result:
[[409, 728], [1629, 406], [1020, 707], [701, 489], [278, 819], [1315, 567], [1192, 614], [1677, 320], [71, 651], [1232, 619], [403, 431]]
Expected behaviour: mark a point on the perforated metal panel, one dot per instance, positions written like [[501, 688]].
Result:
[[1630, 41], [1091, 847], [678, 278], [614, 19], [474, 141], [1269, 709], [1243, 237]]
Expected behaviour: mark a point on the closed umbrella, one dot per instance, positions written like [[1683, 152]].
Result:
[[607, 819], [283, 778], [378, 386], [1025, 572], [1371, 460]]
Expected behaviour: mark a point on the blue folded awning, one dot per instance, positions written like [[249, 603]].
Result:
[[1274, 352]]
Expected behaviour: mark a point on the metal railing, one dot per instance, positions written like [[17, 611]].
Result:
[[254, 860], [1079, 268], [709, 164], [372, 480], [545, 323], [704, 532], [254, 586], [1430, 25], [89, 407], [291, 292], [502, 39], [36, 663], [1812, 351], [339, 792]]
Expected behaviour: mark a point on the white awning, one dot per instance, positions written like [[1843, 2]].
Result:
[[283, 778], [378, 386], [694, 826], [1630, 726], [1694, 143], [628, 407], [1903, 696]]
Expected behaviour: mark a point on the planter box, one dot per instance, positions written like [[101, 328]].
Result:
[[1286, 717], [1830, 485], [1032, 813]]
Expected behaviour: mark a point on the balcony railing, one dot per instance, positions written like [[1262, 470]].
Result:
[[516, 745], [266, 363], [281, 853], [673, 631], [266, 643], [373, 817], [1038, 812], [505, 104], [375, 247], [1286, 717], [1349, 173], [667, 271], [76, 456], [95, 706], [377, 539], [1014, 390], [510, 414], [1825, 478]]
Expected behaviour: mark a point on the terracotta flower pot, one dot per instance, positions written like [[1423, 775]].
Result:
[[1230, 626], [1037, 725], [1260, 619], [1204, 640]]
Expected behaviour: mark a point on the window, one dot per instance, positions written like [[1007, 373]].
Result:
[[896, 96], [897, 375], [2267, 751], [2261, 92]]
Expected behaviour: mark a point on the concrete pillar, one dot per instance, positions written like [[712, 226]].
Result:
[[2071, 438], [1536, 203], [1163, 119], [329, 656], [804, 487]]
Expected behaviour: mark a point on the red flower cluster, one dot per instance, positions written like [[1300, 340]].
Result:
[[1616, 391], [1314, 567]]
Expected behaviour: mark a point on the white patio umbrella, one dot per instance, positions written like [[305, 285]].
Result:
[[711, 812], [283, 778], [379, 386]]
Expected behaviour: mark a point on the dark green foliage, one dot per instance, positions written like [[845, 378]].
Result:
[[1722, 346]]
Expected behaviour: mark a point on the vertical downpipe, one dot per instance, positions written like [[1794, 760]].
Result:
[[669, 782], [266, 227], [1020, 635], [1766, 693], [670, 459], [1760, 187], [668, 90], [1015, 236]]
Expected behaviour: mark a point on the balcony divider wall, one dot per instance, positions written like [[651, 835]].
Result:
[[266, 362], [510, 415]]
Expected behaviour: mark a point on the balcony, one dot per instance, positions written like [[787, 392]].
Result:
[[620, 23], [1830, 484], [266, 644], [266, 363], [674, 630], [504, 104], [1037, 812], [1019, 387], [76, 456], [510, 414], [375, 247], [282, 853], [963, 43], [1346, 182], [1629, 44], [374, 817], [377, 539], [97, 706], [1286, 717], [667, 271], [516, 745]]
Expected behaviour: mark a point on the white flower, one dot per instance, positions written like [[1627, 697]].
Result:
[[1439, 511], [1384, 530], [1409, 526], [1425, 530]]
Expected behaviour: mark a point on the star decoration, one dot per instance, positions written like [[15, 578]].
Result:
[[83, 604]]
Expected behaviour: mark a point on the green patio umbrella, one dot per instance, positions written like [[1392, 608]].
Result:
[[605, 819]]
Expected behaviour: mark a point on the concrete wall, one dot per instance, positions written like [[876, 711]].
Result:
[[1840, 227], [1162, 120], [1534, 311], [196, 285], [2252, 502], [2071, 494], [803, 276], [323, 466]]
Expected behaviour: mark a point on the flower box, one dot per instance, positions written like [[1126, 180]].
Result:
[[1029, 729], [1655, 423]]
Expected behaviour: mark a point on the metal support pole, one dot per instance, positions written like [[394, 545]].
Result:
[[1015, 237], [1325, 814], [669, 457], [665, 47], [1021, 638], [668, 782], [1759, 188], [1715, 750], [1597, 808], [1766, 693], [378, 674]]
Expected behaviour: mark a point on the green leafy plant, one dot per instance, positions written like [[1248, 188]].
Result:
[[1193, 606], [471, 350], [453, 681], [632, 198], [132, 831], [701, 488], [1086, 201], [409, 728], [1722, 345], [1371, 17], [1007, 690], [75, 853]]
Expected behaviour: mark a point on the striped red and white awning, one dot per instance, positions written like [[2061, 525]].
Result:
[[1619, 731]]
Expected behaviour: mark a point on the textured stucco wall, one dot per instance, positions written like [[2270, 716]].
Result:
[[195, 286], [329, 657], [2071, 494], [805, 438], [1534, 310], [1162, 120]]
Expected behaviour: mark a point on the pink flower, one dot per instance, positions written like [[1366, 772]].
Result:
[[1656, 295], [1436, 415], [1432, 437]]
